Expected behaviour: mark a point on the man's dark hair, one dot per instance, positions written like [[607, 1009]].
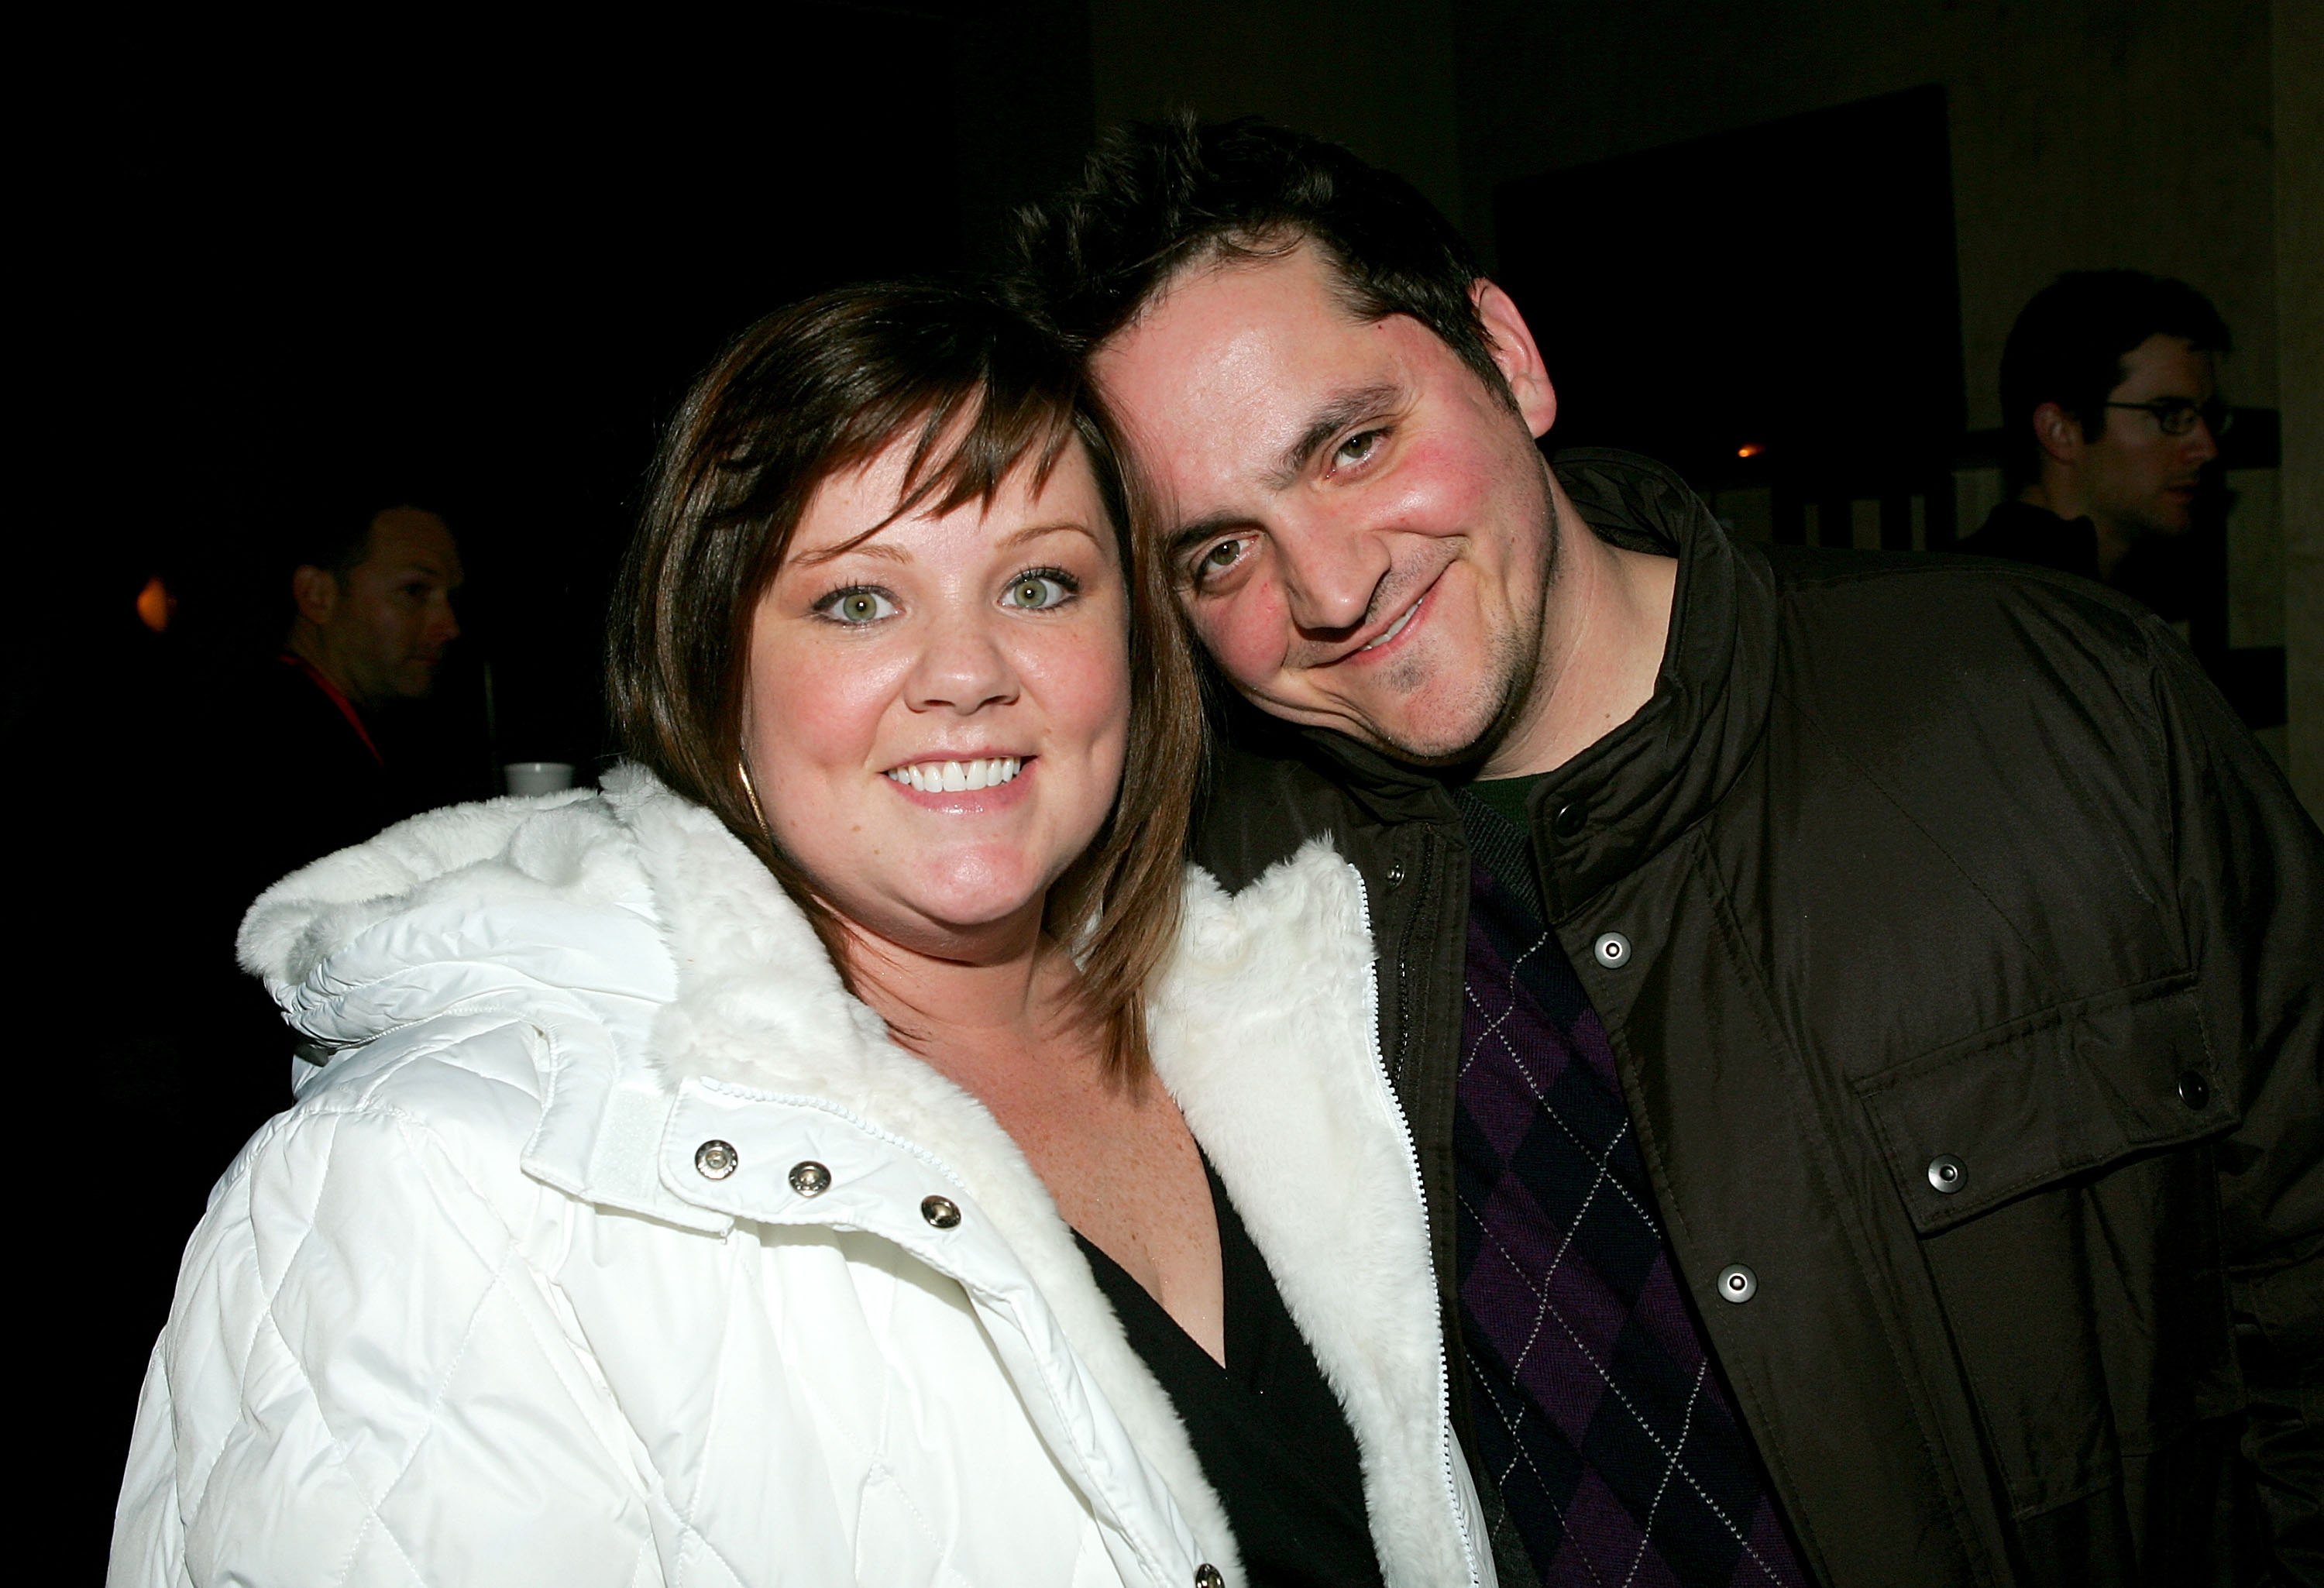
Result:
[[333, 531], [2068, 345], [1155, 198], [336, 540]]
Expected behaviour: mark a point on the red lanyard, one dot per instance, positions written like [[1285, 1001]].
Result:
[[346, 706]]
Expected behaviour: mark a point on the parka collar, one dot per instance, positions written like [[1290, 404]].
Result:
[[1642, 785]]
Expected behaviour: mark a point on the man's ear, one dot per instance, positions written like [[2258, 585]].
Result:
[[1519, 360], [2059, 434], [315, 593]]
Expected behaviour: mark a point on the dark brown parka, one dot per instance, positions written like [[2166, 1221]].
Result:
[[1973, 1005]]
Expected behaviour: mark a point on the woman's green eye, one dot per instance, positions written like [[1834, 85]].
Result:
[[1037, 591], [856, 607]]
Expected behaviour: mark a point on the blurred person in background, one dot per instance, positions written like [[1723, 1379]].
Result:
[[317, 746], [2110, 414], [372, 617]]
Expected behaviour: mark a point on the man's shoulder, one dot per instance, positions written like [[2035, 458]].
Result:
[[1945, 603], [1923, 646], [278, 707]]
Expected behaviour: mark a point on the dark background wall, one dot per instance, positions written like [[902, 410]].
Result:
[[266, 265], [484, 290]]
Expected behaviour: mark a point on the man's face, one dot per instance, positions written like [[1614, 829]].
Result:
[[392, 618], [1361, 533], [2136, 480]]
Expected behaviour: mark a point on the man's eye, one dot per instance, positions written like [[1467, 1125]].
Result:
[[860, 605], [1038, 590], [1358, 446], [1222, 556]]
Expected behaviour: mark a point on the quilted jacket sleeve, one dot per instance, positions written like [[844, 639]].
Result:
[[364, 1378]]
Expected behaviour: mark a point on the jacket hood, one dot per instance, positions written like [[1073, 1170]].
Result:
[[457, 906]]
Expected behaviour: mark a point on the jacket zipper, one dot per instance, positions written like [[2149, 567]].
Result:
[[1424, 887], [1420, 1194]]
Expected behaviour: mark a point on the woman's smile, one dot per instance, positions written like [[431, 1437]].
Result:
[[955, 776], [981, 786]]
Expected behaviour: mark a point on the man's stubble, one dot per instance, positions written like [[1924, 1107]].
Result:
[[1515, 662]]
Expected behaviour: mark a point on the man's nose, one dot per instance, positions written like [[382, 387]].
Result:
[[2199, 444], [444, 624], [962, 666], [1330, 570]]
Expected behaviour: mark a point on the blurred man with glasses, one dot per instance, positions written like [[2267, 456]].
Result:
[[2110, 410]]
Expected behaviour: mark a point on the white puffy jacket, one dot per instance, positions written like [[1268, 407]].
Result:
[[487, 1306]]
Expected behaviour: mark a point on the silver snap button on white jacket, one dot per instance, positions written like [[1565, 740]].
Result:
[[714, 1160], [940, 1211], [810, 1178]]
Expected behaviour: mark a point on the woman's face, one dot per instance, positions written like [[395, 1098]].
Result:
[[936, 715]]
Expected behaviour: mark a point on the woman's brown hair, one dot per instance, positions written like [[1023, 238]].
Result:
[[826, 386]]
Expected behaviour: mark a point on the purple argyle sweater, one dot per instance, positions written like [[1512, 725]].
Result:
[[1597, 1406]]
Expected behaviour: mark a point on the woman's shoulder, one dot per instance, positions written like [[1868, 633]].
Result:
[[436, 1114]]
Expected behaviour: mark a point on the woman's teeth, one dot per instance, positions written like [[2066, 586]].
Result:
[[956, 777]]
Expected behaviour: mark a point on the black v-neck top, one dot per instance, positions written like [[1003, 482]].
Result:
[[1269, 1432]]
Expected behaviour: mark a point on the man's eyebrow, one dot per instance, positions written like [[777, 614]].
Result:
[[1187, 536], [1338, 411]]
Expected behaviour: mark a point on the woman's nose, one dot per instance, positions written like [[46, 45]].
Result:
[[962, 668]]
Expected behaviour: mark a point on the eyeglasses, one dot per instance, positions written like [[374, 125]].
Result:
[[2176, 416]]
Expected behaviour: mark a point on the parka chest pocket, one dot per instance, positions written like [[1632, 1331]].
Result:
[[2057, 1173]]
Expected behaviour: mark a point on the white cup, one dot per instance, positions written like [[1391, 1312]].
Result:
[[537, 777]]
